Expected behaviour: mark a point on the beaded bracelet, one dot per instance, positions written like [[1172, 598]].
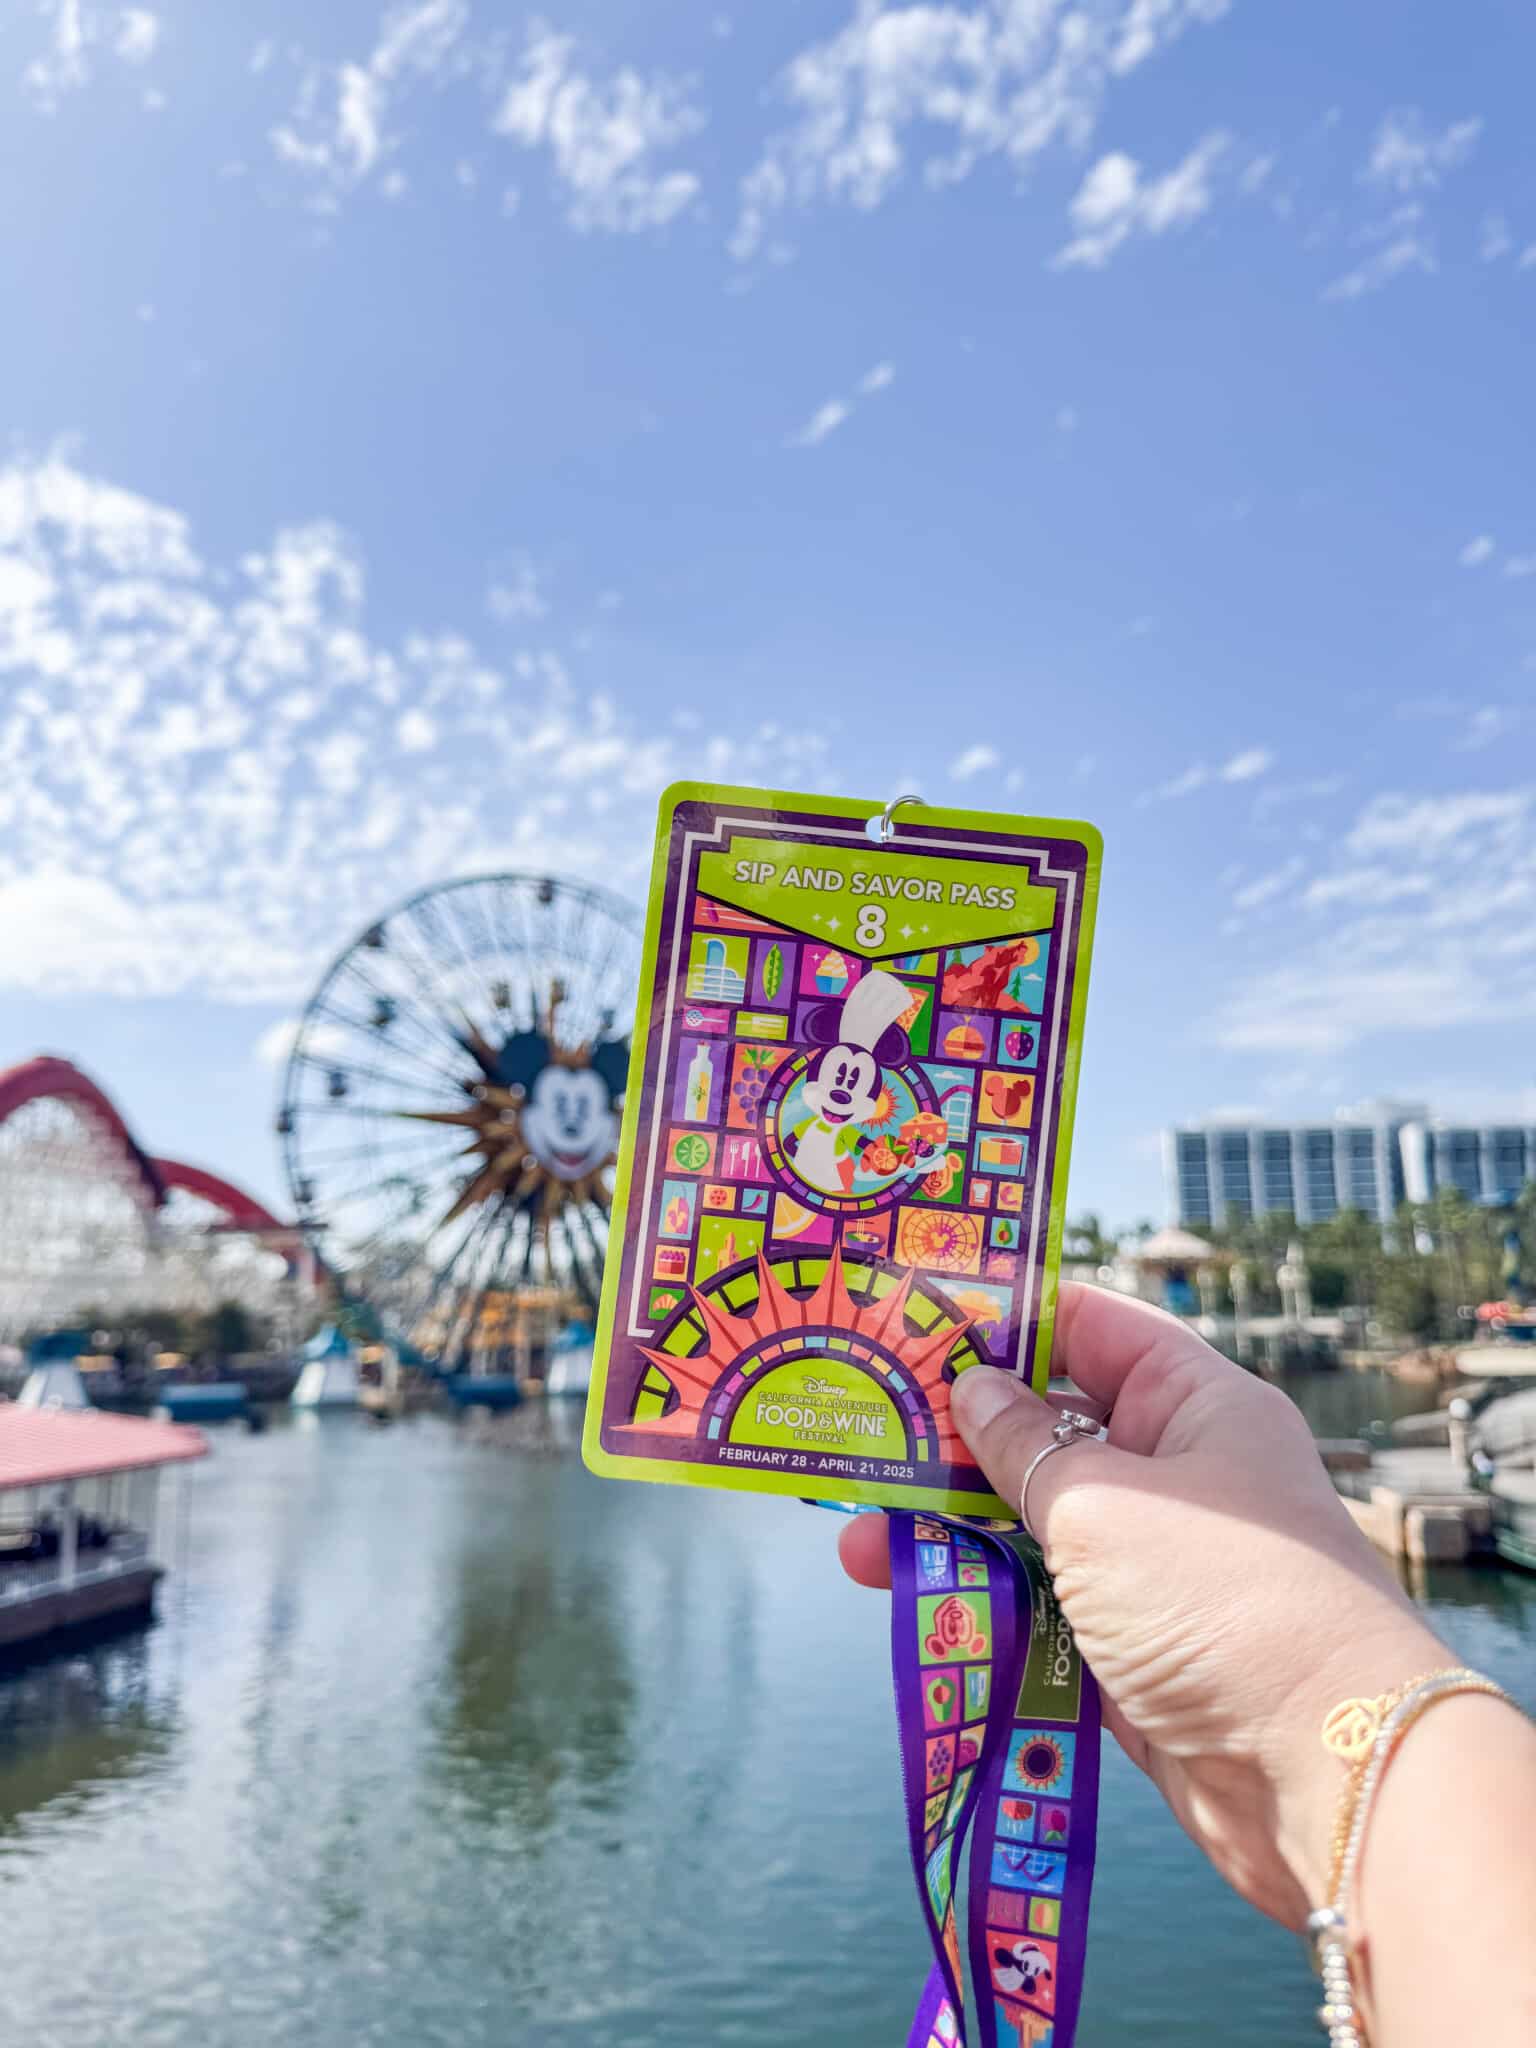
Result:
[[1364, 1734]]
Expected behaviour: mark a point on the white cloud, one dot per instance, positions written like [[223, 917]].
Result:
[[603, 136], [1426, 921], [77, 32], [516, 592], [1244, 767], [1520, 565], [1366, 888], [826, 419], [138, 34], [1114, 202], [1265, 888], [1186, 784], [337, 133], [1407, 157], [1347, 1005], [1404, 252], [416, 733], [950, 84], [275, 1044], [1315, 788], [1146, 23], [975, 760], [210, 773], [1410, 162], [1494, 239], [1489, 723], [829, 417], [1425, 825], [1476, 551]]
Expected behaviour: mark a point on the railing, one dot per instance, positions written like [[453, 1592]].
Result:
[[28, 1581], [126, 1552]]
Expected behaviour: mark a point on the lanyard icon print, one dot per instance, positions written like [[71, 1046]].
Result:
[[999, 1726]]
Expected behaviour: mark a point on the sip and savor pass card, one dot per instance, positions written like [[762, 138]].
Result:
[[845, 1140]]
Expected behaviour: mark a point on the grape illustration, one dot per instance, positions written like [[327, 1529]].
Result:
[[751, 1084], [749, 1090]]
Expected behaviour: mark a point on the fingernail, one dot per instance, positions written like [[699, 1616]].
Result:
[[981, 1393]]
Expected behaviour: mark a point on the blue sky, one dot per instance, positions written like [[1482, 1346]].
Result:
[[428, 432]]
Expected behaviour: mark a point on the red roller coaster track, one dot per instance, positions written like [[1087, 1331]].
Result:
[[49, 1078]]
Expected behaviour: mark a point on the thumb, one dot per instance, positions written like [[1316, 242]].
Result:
[[1007, 1426]]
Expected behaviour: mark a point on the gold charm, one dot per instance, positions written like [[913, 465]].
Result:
[[1351, 1729]]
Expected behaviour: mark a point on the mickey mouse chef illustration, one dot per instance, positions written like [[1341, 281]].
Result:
[[842, 1091]]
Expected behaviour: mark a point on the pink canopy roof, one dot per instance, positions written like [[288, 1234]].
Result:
[[39, 1446]]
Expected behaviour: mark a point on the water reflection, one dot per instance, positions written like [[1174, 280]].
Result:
[[445, 1742], [71, 1728], [536, 1687]]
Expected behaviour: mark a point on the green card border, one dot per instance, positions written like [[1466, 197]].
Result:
[[681, 1472]]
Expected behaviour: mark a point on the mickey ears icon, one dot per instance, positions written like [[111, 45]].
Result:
[[610, 1060], [527, 1053]]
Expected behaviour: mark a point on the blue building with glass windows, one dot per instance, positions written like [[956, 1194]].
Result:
[[1222, 1172], [1371, 1159]]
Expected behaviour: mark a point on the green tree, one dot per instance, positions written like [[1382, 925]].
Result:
[[1350, 1241], [1332, 1286], [158, 1329], [227, 1329], [1406, 1297], [1086, 1242]]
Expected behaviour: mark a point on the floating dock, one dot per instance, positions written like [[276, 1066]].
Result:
[[1418, 1502]]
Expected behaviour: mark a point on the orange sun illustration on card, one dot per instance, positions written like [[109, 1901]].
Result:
[[844, 1351]]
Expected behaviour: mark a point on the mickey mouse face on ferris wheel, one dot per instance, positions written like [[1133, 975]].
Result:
[[570, 1113]]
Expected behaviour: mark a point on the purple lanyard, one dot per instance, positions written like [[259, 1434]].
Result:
[[999, 1725]]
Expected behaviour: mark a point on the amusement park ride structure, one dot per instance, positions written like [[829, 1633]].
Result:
[[88, 1217]]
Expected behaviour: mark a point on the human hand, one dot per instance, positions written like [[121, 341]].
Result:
[[1216, 1584]]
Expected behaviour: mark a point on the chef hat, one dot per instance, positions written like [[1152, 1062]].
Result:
[[866, 1017]]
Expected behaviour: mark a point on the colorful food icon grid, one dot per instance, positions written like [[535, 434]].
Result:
[[963, 1105]]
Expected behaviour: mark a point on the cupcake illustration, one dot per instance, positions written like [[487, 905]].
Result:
[[832, 974]]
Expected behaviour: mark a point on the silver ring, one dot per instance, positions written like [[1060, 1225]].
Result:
[[882, 827], [1073, 1428]]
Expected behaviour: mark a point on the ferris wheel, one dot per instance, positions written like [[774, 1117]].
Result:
[[449, 1110]]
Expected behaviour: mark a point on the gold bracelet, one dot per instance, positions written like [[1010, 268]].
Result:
[[1364, 1735]]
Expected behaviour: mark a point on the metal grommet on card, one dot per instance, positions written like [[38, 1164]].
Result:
[[882, 827]]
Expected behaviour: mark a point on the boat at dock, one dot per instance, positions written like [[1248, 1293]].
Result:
[[497, 1391], [328, 1377], [570, 1360], [80, 1516], [1505, 1345], [205, 1401]]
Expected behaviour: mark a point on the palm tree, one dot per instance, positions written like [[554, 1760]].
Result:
[[1086, 1242], [1353, 1241]]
